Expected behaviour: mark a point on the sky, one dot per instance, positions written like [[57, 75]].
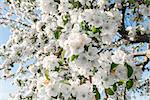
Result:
[[5, 85]]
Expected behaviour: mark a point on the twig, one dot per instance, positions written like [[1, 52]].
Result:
[[106, 95], [137, 39], [139, 54], [11, 20]]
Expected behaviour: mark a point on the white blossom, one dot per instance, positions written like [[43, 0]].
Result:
[[119, 57], [67, 49]]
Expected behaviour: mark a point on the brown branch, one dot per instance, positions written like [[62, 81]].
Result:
[[141, 38], [122, 30], [11, 20], [143, 64], [138, 54], [124, 96], [106, 95], [147, 60], [137, 39]]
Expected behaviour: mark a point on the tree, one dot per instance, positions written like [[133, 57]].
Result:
[[77, 49]]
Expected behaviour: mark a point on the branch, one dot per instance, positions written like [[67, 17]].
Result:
[[11, 20], [141, 38], [145, 63], [124, 33], [106, 95], [124, 96], [139, 54], [122, 30]]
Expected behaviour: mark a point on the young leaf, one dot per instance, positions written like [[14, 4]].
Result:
[[18, 54], [129, 84], [82, 79], [63, 54], [73, 57], [115, 87], [94, 70], [129, 69], [131, 1], [76, 4], [84, 26], [61, 62], [109, 91], [95, 30], [57, 32], [47, 74], [120, 82], [65, 82], [113, 66], [97, 94], [66, 19]]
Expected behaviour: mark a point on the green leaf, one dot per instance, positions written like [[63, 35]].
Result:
[[18, 54], [97, 94], [113, 66], [131, 1], [147, 2], [65, 82], [73, 57], [32, 1], [95, 30], [82, 79], [59, 28], [57, 69], [129, 69], [121, 82], [129, 84], [84, 26], [109, 91], [115, 87], [61, 62], [47, 74], [94, 70], [57, 32], [76, 4], [66, 19], [63, 54]]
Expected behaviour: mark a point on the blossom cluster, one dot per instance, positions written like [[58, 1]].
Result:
[[65, 50]]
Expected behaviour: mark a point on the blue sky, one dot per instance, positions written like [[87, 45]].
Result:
[[5, 85]]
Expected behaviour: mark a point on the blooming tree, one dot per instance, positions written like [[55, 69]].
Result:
[[76, 49]]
